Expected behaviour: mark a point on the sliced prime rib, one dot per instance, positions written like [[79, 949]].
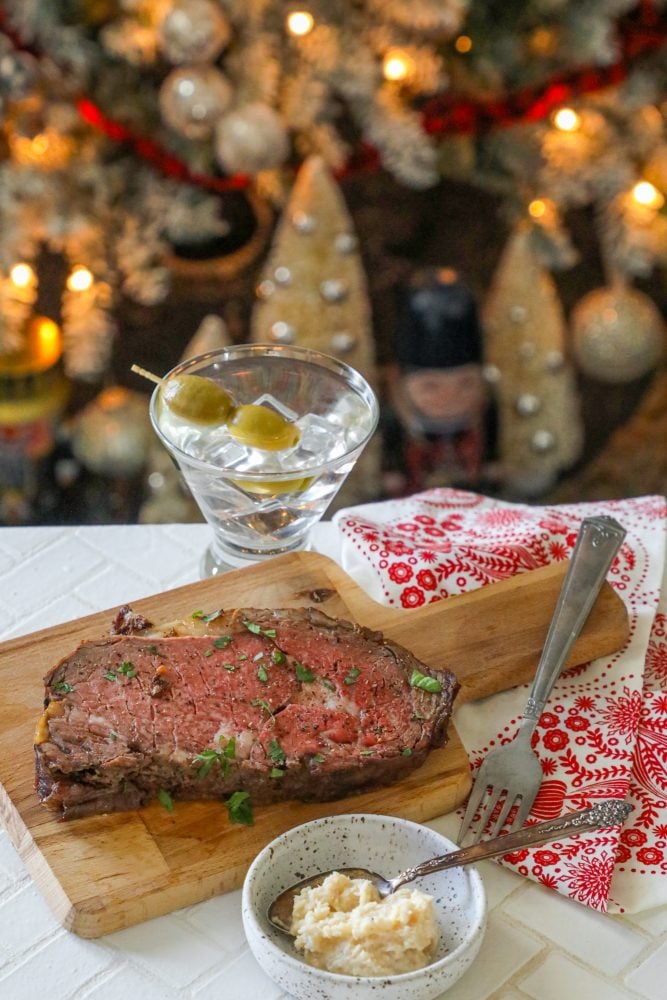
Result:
[[282, 704]]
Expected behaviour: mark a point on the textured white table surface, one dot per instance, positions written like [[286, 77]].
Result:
[[537, 945]]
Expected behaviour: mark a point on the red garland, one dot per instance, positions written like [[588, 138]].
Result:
[[442, 115]]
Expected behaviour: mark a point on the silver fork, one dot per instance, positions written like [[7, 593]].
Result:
[[513, 771]]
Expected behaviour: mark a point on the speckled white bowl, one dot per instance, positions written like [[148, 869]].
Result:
[[379, 843]]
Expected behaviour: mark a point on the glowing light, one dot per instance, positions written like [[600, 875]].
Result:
[[397, 66], [537, 208], [567, 120], [646, 194], [22, 275], [47, 340], [300, 22], [463, 43], [80, 279]]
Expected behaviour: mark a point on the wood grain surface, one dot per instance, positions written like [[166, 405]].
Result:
[[103, 873]]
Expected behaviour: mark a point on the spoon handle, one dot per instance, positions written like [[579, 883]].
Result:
[[611, 812]]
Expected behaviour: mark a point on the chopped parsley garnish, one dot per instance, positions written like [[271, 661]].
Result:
[[213, 615], [275, 772], [278, 656], [425, 682], [256, 629], [276, 752], [260, 703], [229, 666], [165, 799], [113, 736], [152, 650], [222, 641], [366, 753], [406, 752], [127, 669], [209, 652], [329, 684], [242, 656], [110, 676], [63, 687], [239, 808], [222, 757], [352, 676], [197, 614], [304, 674], [262, 675], [318, 758]]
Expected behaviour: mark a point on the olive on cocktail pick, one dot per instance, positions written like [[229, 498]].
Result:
[[194, 398], [261, 427]]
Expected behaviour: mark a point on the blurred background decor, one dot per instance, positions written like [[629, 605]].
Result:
[[295, 169]]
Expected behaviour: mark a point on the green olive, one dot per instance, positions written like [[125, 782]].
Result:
[[197, 399], [260, 427]]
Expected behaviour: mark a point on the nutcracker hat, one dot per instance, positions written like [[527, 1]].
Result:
[[438, 323]]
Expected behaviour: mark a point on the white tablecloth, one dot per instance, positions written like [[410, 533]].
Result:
[[538, 944]]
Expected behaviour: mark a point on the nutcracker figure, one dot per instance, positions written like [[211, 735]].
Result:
[[436, 384]]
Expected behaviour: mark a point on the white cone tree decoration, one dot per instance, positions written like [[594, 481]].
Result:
[[313, 293], [540, 429]]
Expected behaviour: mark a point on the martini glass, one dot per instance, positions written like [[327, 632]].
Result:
[[263, 503]]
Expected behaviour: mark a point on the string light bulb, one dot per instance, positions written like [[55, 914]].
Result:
[[397, 66], [22, 275], [647, 195], [567, 120], [300, 22], [537, 208], [80, 279], [463, 43]]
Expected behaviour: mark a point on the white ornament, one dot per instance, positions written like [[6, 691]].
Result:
[[193, 31], [250, 139], [618, 334], [193, 99]]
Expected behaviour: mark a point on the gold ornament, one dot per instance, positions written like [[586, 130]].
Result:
[[111, 435], [193, 31], [193, 99], [618, 334], [540, 425]]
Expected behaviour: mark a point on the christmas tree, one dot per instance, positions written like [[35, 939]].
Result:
[[130, 126]]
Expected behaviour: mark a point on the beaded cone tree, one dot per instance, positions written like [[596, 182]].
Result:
[[540, 426], [313, 293]]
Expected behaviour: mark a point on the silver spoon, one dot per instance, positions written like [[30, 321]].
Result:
[[611, 812]]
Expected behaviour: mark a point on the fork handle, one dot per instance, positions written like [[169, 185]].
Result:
[[598, 541], [610, 812]]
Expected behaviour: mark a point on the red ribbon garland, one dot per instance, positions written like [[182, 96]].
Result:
[[442, 115]]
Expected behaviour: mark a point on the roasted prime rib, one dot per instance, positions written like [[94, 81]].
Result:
[[281, 704]]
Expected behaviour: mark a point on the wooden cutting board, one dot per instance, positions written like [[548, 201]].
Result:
[[103, 873]]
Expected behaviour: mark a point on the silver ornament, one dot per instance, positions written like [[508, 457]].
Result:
[[343, 342], [345, 243], [193, 31], [250, 139], [265, 289], [333, 290], [193, 99], [303, 223], [491, 374], [282, 276], [282, 333], [618, 334], [527, 405], [518, 314], [543, 441]]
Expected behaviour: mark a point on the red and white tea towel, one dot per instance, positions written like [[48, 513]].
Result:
[[604, 731]]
